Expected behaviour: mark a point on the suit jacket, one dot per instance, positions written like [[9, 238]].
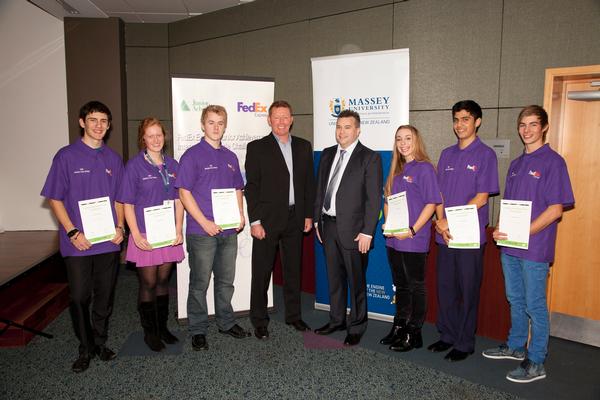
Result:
[[267, 182], [358, 199]]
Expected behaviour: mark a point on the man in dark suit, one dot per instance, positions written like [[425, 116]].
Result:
[[280, 194], [347, 205]]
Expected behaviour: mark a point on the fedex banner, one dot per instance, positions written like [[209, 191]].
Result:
[[246, 101], [376, 85]]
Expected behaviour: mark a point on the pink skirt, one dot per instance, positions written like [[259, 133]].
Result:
[[143, 258]]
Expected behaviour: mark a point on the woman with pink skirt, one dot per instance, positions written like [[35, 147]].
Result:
[[150, 181]]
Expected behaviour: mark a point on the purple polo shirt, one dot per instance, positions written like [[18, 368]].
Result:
[[203, 168], [79, 172], [420, 183], [144, 187], [464, 173], [542, 178]]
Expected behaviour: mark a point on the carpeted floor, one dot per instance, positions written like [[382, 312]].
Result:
[[289, 365]]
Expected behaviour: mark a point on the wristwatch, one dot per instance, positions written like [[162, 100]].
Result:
[[72, 233], [412, 230]]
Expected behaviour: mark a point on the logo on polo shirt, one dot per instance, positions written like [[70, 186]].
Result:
[[408, 178], [81, 171], [449, 168], [472, 167], [172, 175], [149, 176], [231, 167], [513, 174], [108, 171], [535, 174], [210, 166]]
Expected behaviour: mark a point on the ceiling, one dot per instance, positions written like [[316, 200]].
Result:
[[150, 11]]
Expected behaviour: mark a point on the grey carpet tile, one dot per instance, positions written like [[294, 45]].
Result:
[[289, 365]]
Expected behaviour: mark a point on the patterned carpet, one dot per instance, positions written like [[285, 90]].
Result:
[[289, 365]]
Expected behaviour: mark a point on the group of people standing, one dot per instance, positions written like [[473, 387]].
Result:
[[285, 201]]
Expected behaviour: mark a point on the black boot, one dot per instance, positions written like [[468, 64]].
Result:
[[411, 339], [395, 332], [162, 306], [150, 324]]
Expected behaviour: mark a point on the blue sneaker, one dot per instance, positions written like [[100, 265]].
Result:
[[527, 372], [503, 352]]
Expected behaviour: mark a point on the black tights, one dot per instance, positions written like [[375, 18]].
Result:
[[154, 281]]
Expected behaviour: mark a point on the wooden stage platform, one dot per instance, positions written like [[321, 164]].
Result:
[[33, 283]]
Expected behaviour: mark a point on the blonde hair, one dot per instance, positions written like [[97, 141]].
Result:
[[398, 160]]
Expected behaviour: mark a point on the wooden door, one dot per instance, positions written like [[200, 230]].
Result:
[[574, 285]]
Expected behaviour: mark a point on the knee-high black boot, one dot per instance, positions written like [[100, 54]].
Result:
[[162, 305], [148, 316]]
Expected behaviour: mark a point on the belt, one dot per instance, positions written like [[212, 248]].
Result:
[[327, 217]]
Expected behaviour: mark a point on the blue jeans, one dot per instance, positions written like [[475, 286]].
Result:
[[211, 255], [525, 283]]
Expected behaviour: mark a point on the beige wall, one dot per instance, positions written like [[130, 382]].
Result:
[[33, 111], [493, 51]]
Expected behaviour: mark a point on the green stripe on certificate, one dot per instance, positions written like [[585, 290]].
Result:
[[229, 226], [474, 245], [402, 230], [101, 238], [512, 243], [164, 243]]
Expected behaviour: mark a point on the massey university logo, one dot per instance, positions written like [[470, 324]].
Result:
[[196, 105], [336, 106]]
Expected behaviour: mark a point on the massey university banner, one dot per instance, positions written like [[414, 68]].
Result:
[[376, 85], [246, 101]]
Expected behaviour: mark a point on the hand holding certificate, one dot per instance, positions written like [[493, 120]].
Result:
[[397, 214], [160, 225], [463, 223], [515, 222], [226, 211], [97, 219]]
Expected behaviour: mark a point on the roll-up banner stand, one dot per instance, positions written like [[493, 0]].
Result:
[[246, 101], [376, 85]]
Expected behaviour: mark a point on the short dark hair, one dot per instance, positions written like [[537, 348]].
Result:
[[469, 106], [92, 107], [350, 114], [280, 104]]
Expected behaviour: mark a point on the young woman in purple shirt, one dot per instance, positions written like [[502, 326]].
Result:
[[539, 175], [150, 181], [410, 171]]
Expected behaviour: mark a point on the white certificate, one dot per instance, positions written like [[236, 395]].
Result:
[[515, 221], [97, 219], [226, 211], [463, 223], [160, 225], [397, 214]]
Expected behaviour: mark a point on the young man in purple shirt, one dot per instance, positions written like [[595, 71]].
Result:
[[467, 174], [539, 175], [88, 169], [212, 250]]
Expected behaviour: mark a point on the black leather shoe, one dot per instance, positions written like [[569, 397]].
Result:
[[82, 363], [395, 334], [104, 353], [299, 325], [351, 340], [411, 339], [199, 342], [236, 331], [457, 355], [328, 329], [261, 332], [439, 346]]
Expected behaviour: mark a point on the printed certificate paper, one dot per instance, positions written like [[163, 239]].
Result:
[[515, 221], [397, 214], [160, 225], [97, 219], [463, 223], [226, 211]]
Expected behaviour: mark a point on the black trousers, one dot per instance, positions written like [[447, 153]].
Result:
[[346, 268], [289, 242], [92, 281], [408, 275]]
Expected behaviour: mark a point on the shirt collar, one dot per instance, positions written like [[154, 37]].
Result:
[[348, 149], [279, 140]]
